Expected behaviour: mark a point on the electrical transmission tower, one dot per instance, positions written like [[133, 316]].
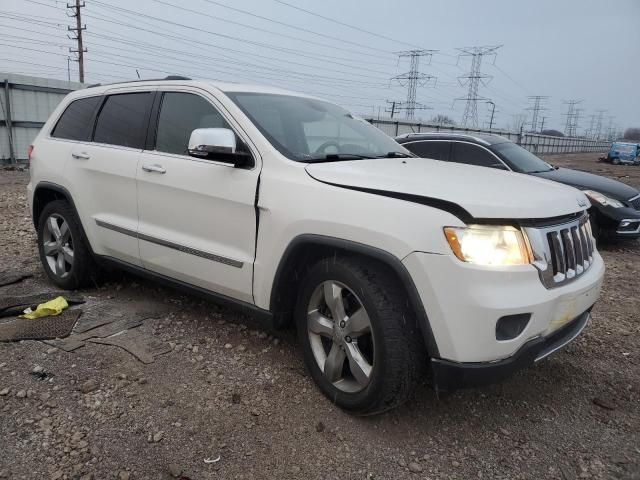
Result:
[[77, 35], [473, 80], [412, 79], [572, 115], [592, 125], [598, 128], [536, 109]]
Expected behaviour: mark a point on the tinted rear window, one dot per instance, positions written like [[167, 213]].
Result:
[[123, 120], [77, 120]]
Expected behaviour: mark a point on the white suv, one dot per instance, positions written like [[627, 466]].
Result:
[[300, 212]]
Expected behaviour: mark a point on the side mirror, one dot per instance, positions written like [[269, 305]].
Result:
[[217, 144]]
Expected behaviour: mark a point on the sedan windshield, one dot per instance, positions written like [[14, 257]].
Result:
[[308, 130], [519, 159]]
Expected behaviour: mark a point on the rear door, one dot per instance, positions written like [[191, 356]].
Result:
[[197, 216], [103, 174]]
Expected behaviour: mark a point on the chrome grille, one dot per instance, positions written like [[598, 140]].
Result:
[[635, 202], [562, 252]]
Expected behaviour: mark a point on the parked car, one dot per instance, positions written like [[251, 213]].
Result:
[[623, 153], [615, 206], [302, 213]]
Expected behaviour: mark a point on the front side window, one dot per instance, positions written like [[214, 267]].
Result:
[[77, 120], [519, 159], [473, 155], [437, 150], [305, 129], [123, 119], [181, 114]]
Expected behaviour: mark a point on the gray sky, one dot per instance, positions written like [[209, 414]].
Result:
[[565, 49]]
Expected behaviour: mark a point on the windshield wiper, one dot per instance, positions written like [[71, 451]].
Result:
[[336, 157], [394, 155]]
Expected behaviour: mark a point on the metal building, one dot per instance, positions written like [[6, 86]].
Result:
[[25, 104]]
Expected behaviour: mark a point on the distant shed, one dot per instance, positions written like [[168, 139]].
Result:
[[25, 104]]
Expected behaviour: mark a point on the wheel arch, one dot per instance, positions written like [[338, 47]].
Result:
[[47, 192], [305, 250]]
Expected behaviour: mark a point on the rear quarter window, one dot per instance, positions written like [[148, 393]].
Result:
[[76, 121]]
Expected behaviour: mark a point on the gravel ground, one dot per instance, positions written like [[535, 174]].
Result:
[[231, 389]]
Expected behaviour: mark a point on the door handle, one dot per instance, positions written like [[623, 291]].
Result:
[[80, 156], [155, 168]]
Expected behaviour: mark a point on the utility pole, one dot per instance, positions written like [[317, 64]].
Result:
[[77, 31], [571, 124], [473, 80], [412, 79], [493, 111], [536, 109], [542, 124], [392, 109]]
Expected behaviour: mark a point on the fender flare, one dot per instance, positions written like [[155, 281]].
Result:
[[382, 256]]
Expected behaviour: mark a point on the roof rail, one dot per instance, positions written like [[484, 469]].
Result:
[[168, 77]]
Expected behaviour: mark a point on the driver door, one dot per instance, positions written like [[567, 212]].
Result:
[[197, 221]]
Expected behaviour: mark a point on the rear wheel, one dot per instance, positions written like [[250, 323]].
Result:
[[64, 254], [359, 339], [616, 161]]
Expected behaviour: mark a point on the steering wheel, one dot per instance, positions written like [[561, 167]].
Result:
[[325, 145]]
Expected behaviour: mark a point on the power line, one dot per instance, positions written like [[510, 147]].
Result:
[[264, 30], [384, 37], [473, 79], [295, 27], [411, 79]]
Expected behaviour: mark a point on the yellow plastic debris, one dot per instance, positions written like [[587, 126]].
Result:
[[52, 307]]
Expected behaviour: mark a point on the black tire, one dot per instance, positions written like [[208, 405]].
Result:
[[84, 269], [399, 356], [616, 161]]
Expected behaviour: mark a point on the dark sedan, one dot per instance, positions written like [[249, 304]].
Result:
[[615, 206]]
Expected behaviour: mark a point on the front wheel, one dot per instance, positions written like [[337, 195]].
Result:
[[359, 339], [616, 161]]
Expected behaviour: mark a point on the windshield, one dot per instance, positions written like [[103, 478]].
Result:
[[305, 129], [519, 159]]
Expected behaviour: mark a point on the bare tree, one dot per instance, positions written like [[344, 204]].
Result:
[[443, 119], [518, 122]]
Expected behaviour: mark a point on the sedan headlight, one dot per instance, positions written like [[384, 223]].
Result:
[[603, 199], [488, 245]]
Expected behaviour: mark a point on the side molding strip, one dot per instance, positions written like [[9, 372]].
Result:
[[175, 246]]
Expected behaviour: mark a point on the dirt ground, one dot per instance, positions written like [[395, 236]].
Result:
[[230, 389]]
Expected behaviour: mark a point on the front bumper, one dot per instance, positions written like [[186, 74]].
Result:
[[465, 302], [449, 376], [618, 222]]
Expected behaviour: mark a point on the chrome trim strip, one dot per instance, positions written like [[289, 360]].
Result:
[[634, 198], [563, 344], [175, 246]]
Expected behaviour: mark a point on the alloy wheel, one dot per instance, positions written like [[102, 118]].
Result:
[[341, 337], [57, 245]]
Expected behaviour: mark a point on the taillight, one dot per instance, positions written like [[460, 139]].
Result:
[[29, 152]]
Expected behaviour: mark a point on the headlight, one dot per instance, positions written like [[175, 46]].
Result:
[[603, 199], [488, 245]]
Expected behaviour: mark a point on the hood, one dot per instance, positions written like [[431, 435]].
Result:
[[589, 181], [464, 190]]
